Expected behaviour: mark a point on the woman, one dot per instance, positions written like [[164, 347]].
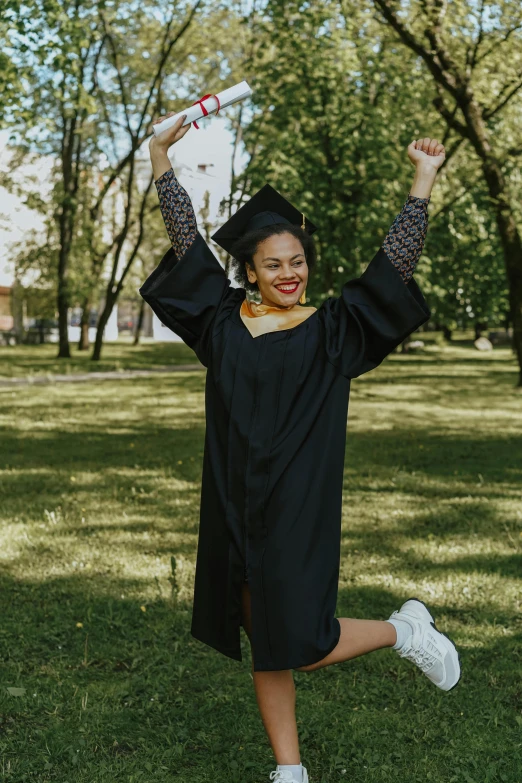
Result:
[[276, 399]]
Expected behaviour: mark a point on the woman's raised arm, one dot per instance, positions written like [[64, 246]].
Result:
[[405, 240], [189, 285], [377, 311], [178, 212], [175, 204], [160, 145]]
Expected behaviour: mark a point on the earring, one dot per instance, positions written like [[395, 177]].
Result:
[[302, 300]]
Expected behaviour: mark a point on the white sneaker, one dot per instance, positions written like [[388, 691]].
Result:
[[432, 651], [285, 776]]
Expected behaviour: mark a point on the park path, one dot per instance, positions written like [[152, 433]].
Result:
[[35, 380]]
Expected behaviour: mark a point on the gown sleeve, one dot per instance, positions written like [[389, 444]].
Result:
[[188, 286], [377, 311]]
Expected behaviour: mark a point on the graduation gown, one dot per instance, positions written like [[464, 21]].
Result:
[[276, 417]]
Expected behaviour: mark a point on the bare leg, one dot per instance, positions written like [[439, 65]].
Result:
[[275, 694], [275, 691], [358, 637]]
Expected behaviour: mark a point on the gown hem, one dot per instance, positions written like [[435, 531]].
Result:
[[271, 668], [228, 651]]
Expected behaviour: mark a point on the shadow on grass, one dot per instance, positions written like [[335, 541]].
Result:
[[158, 483], [130, 688], [116, 689], [86, 444]]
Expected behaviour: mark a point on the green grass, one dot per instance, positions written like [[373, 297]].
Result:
[[40, 360], [37, 360], [100, 486]]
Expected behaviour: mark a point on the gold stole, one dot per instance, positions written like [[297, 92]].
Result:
[[260, 318]]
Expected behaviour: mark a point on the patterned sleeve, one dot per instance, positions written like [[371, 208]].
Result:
[[405, 239], [178, 212]]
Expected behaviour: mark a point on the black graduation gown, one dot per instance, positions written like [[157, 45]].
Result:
[[276, 417]]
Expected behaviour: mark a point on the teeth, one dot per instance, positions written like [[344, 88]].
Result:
[[287, 287]]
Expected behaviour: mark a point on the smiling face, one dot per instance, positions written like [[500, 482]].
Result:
[[280, 270]]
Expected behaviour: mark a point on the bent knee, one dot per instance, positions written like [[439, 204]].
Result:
[[310, 668]]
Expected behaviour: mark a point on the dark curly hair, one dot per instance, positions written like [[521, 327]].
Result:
[[245, 248]]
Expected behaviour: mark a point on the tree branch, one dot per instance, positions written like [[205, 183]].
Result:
[[138, 241], [137, 138], [488, 113], [454, 200], [499, 42], [472, 54], [119, 77], [449, 115], [163, 59], [435, 60]]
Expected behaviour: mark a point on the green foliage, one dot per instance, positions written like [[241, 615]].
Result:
[[465, 281], [337, 99], [96, 74], [327, 132]]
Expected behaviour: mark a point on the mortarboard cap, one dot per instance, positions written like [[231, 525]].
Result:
[[266, 207]]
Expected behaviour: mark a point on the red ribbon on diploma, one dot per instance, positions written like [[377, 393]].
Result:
[[203, 109]]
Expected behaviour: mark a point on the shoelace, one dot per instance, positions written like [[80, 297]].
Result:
[[416, 653], [280, 776]]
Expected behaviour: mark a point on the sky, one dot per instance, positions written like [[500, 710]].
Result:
[[211, 144]]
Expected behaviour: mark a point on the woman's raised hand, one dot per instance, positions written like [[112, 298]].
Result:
[[429, 152], [171, 135]]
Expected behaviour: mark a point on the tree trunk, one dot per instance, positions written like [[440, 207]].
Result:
[[83, 342], [447, 332], [515, 301], [102, 323], [512, 246], [480, 326], [64, 351], [62, 303], [66, 220], [17, 309], [114, 288], [139, 325]]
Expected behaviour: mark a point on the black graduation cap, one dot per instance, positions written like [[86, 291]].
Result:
[[266, 207]]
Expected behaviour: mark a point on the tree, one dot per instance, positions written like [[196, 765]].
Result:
[[58, 45], [145, 92], [473, 53], [466, 283], [326, 130], [96, 87]]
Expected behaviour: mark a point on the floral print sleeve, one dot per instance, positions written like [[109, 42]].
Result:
[[405, 239], [178, 212]]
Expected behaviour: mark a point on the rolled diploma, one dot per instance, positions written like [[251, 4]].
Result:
[[194, 113]]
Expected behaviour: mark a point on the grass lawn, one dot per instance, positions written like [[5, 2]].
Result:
[[101, 681], [37, 360], [34, 361]]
